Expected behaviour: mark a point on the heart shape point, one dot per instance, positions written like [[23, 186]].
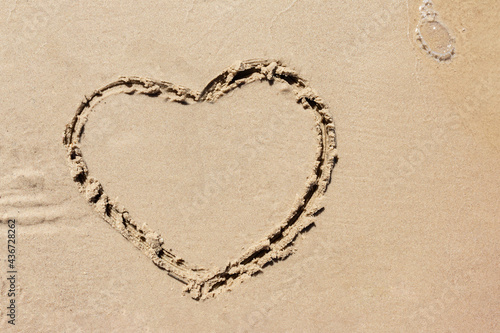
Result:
[[203, 283]]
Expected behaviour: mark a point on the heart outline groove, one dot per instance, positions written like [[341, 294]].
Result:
[[199, 282]]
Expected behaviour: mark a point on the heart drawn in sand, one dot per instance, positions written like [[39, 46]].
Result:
[[203, 283]]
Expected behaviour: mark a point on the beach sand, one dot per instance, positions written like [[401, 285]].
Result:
[[407, 239]]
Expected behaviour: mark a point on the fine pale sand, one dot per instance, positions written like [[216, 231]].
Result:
[[162, 182]]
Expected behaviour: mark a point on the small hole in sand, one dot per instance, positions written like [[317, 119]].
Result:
[[437, 37], [433, 36]]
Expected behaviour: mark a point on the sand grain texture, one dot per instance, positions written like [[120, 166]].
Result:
[[407, 240]]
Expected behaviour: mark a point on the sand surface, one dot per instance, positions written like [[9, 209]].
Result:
[[408, 240]]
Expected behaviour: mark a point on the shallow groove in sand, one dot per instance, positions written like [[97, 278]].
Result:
[[200, 282]]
